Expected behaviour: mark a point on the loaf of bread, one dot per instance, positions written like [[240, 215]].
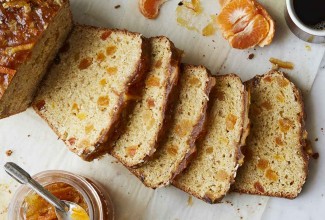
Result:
[[89, 86], [31, 33], [187, 122], [210, 174], [139, 139], [275, 161]]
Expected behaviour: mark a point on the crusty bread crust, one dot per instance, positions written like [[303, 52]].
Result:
[[302, 151]]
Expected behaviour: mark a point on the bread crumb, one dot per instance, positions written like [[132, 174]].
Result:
[[315, 156], [9, 152], [308, 48], [190, 201], [251, 56]]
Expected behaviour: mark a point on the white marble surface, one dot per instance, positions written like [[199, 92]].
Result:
[[36, 148]]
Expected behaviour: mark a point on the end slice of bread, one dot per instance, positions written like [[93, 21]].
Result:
[[87, 88], [139, 139], [210, 174], [32, 32], [275, 161], [186, 124]]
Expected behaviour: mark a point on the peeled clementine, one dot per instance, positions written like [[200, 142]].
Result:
[[245, 23], [254, 32]]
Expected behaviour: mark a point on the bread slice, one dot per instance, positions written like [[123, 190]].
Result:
[[210, 174], [145, 123], [275, 161], [87, 89], [31, 34], [188, 119]]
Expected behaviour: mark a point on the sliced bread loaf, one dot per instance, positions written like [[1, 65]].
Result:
[[210, 174], [145, 123], [186, 124], [31, 33], [87, 88], [275, 161]]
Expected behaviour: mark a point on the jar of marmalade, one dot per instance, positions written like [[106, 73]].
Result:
[[87, 193]]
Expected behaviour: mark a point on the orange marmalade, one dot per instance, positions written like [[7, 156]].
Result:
[[37, 208]]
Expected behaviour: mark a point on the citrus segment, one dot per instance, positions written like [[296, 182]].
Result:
[[232, 13], [255, 31], [245, 23], [150, 8]]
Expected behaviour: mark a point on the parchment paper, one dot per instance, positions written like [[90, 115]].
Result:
[[36, 148]]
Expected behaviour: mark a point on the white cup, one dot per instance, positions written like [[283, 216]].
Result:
[[301, 30]]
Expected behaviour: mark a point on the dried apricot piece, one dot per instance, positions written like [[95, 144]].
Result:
[[151, 103], [111, 70], [282, 82], [285, 124], [262, 164], [280, 97], [258, 186], [271, 175], [267, 105], [231, 122], [150, 8], [279, 141], [194, 81], [102, 82], [105, 35], [158, 63], [131, 151], [85, 63], [172, 150], [89, 128], [82, 115], [103, 101], [209, 150], [153, 81], [101, 57], [110, 50], [222, 175], [183, 128]]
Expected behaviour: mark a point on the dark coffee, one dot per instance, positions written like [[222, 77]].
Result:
[[310, 12]]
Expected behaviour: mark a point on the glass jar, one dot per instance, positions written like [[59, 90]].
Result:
[[99, 204]]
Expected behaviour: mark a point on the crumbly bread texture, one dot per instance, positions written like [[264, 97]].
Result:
[[186, 125], [87, 88], [139, 139], [210, 174], [276, 163], [31, 35]]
